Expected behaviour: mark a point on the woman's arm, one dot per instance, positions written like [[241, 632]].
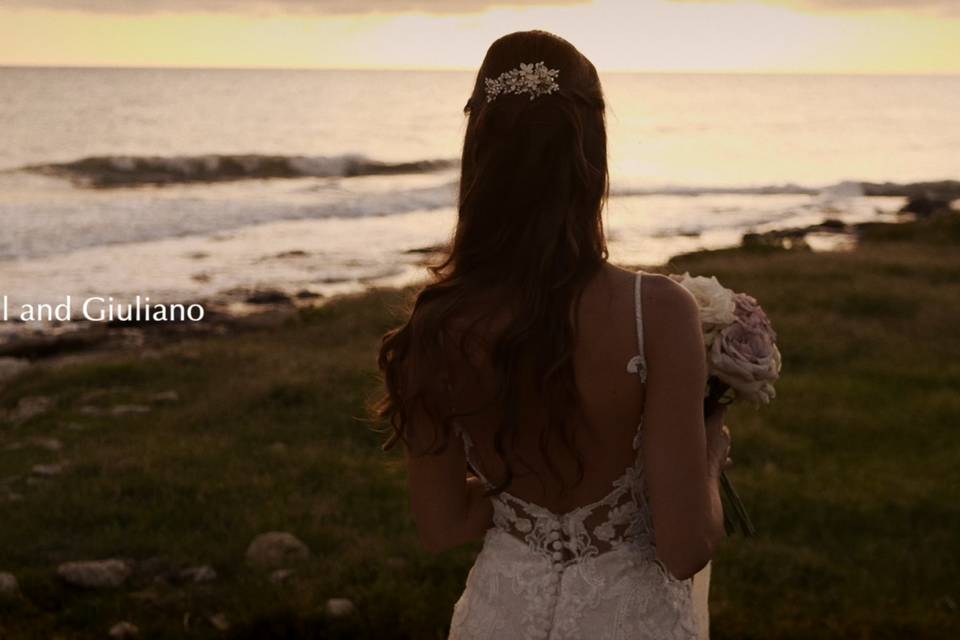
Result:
[[682, 483], [449, 508]]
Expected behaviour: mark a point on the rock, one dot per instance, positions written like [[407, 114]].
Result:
[[925, 206], [833, 223], [276, 549], [40, 346], [203, 573], [295, 253], [305, 294], [339, 607], [124, 630], [9, 588], [10, 368], [99, 394], [50, 444], [219, 622], [434, 248], [125, 409], [267, 296], [947, 603], [29, 407], [279, 576], [942, 190], [95, 574], [165, 396], [47, 470]]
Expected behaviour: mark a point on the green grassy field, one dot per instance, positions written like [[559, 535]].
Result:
[[851, 475]]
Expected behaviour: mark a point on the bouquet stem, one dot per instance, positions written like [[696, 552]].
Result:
[[735, 515]]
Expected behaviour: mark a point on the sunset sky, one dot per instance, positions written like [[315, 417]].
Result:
[[808, 36]]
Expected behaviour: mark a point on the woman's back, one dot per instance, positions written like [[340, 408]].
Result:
[[581, 562], [611, 405]]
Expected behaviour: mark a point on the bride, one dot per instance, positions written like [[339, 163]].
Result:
[[549, 402]]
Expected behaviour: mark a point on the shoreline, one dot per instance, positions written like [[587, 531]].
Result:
[[23, 345]]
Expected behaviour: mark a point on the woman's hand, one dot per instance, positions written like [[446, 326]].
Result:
[[718, 442]]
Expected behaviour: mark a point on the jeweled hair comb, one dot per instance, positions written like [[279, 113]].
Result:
[[531, 78]]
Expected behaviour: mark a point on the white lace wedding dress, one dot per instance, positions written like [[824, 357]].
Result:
[[590, 573]]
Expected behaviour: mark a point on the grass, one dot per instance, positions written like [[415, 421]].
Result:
[[851, 475]]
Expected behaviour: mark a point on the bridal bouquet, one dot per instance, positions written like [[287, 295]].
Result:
[[743, 361]]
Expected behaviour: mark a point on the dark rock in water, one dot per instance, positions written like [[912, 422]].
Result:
[[436, 248], [943, 190], [794, 237], [295, 253], [924, 206], [267, 296], [39, 346], [304, 294], [833, 223]]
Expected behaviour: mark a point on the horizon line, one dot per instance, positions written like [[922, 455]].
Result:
[[474, 69]]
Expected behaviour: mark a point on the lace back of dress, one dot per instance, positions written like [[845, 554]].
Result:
[[620, 517]]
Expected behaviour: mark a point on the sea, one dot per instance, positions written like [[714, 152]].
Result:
[[188, 184]]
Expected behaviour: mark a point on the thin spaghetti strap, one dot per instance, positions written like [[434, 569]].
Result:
[[638, 363], [469, 452]]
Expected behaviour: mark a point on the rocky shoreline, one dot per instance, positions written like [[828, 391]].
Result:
[[242, 310], [924, 200], [22, 347]]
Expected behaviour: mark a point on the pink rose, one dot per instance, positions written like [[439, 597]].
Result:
[[745, 355], [749, 313]]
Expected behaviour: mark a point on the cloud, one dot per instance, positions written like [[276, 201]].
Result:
[[315, 7], [941, 6]]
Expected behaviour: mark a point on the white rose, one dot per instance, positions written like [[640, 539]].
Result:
[[716, 303]]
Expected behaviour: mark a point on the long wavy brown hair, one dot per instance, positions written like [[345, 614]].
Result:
[[533, 185]]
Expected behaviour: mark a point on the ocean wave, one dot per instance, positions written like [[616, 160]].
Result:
[[131, 171], [54, 226], [763, 190]]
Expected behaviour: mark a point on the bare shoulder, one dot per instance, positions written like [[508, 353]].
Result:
[[671, 319], [669, 298]]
